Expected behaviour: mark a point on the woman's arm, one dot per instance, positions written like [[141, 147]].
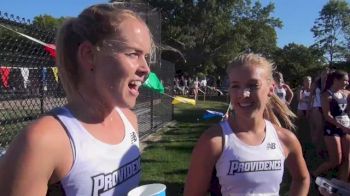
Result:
[[204, 156], [295, 163], [312, 93], [300, 95], [289, 94], [30, 161], [347, 93]]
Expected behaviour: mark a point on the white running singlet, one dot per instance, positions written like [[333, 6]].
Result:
[[99, 168], [281, 93], [250, 170], [304, 94]]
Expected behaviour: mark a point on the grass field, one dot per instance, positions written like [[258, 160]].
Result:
[[166, 158]]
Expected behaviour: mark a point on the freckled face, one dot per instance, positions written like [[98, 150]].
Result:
[[121, 64], [249, 90]]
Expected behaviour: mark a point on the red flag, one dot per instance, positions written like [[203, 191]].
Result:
[[5, 73], [51, 48]]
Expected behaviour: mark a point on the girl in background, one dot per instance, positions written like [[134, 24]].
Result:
[[334, 101], [304, 98], [250, 149], [282, 90], [316, 116]]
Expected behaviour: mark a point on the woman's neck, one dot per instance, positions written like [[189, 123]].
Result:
[[334, 89], [89, 110], [307, 88], [244, 124]]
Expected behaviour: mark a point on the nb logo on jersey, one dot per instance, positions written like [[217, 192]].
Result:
[[133, 137], [271, 146]]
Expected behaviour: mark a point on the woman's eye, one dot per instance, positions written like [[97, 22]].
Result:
[[133, 54], [254, 86], [148, 58]]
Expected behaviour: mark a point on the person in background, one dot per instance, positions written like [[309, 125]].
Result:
[[316, 116], [334, 100], [195, 88], [219, 86], [282, 90], [90, 144], [250, 149], [183, 84], [304, 98], [348, 87], [178, 89], [203, 82]]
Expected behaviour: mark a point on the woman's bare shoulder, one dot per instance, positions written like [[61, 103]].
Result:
[[287, 137], [46, 128], [213, 131]]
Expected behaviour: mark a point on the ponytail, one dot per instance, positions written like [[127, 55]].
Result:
[[276, 110]]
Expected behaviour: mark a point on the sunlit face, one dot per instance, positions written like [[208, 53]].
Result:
[[250, 88], [342, 83], [121, 64]]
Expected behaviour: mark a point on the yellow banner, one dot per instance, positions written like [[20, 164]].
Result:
[[55, 73], [179, 99]]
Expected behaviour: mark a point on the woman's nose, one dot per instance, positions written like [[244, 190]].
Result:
[[245, 92], [144, 67]]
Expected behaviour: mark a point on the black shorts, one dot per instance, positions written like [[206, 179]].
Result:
[[318, 108], [331, 130], [304, 112]]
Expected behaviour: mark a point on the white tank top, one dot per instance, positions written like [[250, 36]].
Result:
[[317, 99], [99, 168], [304, 94], [250, 170], [281, 93]]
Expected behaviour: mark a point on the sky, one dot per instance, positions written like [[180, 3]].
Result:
[[298, 16]]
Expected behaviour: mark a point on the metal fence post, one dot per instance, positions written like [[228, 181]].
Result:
[[41, 90], [152, 110]]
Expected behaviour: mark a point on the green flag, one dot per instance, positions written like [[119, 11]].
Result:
[[153, 83]]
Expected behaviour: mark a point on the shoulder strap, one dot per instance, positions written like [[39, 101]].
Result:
[[57, 113], [225, 128], [127, 123], [226, 131]]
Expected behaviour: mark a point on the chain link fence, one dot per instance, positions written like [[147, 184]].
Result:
[[30, 84]]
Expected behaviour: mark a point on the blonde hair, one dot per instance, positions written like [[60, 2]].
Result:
[[94, 24], [275, 110]]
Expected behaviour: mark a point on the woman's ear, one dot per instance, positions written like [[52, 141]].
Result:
[[85, 55], [271, 89]]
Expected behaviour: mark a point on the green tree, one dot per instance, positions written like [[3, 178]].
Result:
[[296, 61], [331, 30], [47, 21], [210, 32]]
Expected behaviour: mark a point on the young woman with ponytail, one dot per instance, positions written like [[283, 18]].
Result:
[[335, 108], [250, 149], [89, 145]]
